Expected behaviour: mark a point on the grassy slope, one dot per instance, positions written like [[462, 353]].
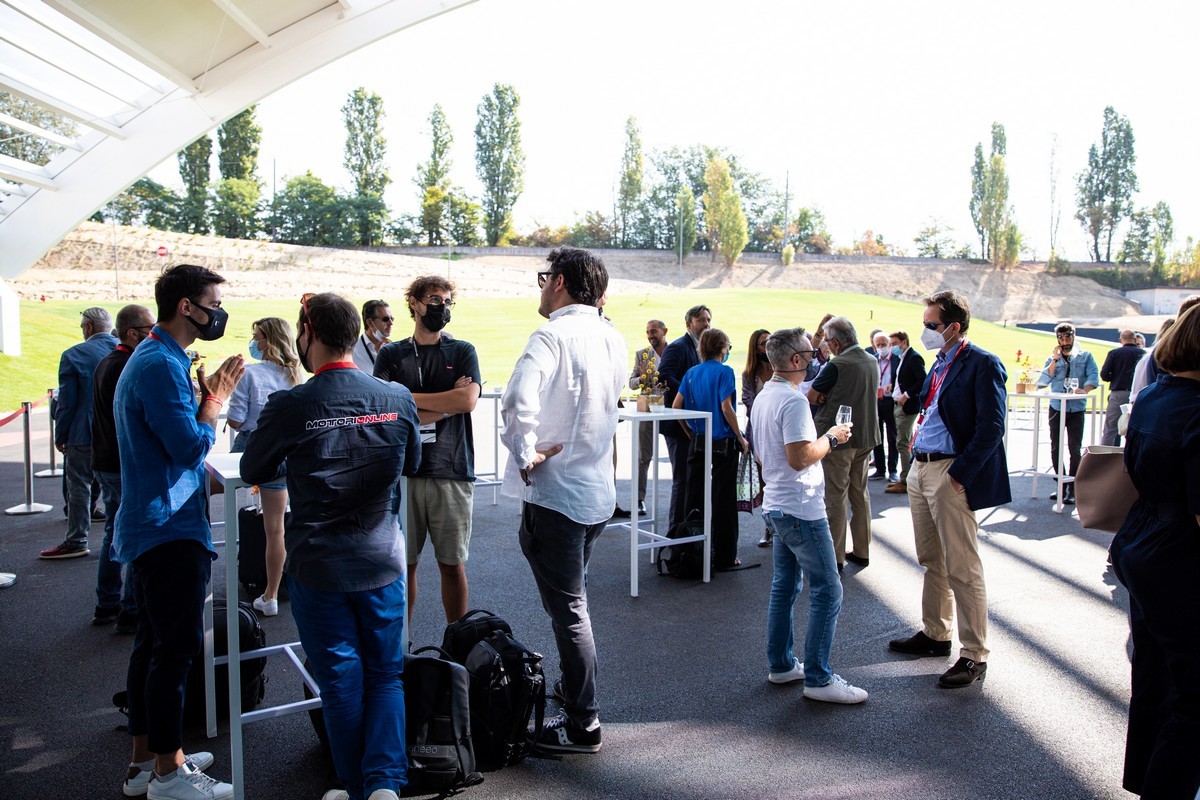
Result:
[[499, 327]]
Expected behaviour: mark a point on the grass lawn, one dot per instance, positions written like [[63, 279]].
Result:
[[499, 327]]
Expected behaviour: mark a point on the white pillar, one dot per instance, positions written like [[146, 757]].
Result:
[[10, 321]]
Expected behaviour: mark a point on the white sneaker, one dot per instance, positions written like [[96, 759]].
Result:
[[796, 673], [188, 784], [336, 794], [836, 691], [383, 794], [138, 779], [269, 608]]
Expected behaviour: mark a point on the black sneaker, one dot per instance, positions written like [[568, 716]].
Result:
[[560, 735], [104, 616], [126, 622]]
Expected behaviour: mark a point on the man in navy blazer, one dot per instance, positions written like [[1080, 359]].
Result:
[[73, 428], [959, 467], [680, 356]]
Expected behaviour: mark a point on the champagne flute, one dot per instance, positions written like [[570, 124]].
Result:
[[1070, 385], [843, 415]]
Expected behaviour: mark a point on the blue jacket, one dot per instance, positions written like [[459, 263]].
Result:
[[73, 409], [678, 357], [346, 438], [162, 449], [972, 405]]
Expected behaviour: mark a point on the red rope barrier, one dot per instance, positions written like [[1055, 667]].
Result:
[[16, 414]]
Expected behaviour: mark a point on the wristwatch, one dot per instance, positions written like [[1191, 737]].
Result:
[[833, 440]]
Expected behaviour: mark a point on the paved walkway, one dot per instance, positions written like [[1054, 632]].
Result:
[[686, 708]]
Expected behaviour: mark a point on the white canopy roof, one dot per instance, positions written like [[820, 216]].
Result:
[[145, 79]]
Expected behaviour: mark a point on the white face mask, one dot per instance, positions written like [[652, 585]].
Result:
[[378, 334], [932, 340]]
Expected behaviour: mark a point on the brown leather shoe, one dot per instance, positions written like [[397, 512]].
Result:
[[896, 488]]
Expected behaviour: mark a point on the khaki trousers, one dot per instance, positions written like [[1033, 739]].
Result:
[[946, 537], [904, 432], [846, 479]]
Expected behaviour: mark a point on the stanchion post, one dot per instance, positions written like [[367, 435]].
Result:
[[55, 471], [29, 507]]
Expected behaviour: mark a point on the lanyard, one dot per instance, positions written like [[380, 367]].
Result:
[[935, 384]]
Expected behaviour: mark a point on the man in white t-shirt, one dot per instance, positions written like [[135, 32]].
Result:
[[786, 440]]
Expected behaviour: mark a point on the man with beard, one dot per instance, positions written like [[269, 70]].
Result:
[[648, 359], [443, 375], [1067, 362]]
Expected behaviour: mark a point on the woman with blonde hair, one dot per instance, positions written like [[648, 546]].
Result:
[[278, 369]]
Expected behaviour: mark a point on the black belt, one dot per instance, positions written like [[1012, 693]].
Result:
[[926, 457]]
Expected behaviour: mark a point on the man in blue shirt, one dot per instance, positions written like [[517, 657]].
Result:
[[162, 529], [1068, 362], [347, 438], [73, 428]]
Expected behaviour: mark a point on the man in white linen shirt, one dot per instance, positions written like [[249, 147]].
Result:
[[559, 414]]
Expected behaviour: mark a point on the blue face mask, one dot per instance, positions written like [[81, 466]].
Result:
[[725, 357], [895, 349], [255, 351]]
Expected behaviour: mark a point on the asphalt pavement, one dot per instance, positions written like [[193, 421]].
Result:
[[686, 709]]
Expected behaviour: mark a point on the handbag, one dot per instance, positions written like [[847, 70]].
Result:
[[749, 486], [1104, 492]]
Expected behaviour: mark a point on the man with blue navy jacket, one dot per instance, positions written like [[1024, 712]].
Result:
[[959, 467], [347, 438], [678, 357], [73, 431]]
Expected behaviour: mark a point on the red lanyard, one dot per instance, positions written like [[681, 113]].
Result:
[[935, 384]]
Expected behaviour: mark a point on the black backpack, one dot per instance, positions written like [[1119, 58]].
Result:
[[508, 688], [251, 636], [686, 560], [437, 724]]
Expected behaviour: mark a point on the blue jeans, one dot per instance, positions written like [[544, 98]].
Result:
[[111, 590], [354, 642], [801, 546], [77, 473], [558, 550]]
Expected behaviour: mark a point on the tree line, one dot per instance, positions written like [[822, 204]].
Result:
[[680, 199]]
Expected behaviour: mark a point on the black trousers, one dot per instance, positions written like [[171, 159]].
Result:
[[677, 450], [170, 582], [887, 432], [1155, 560], [1074, 439], [724, 495]]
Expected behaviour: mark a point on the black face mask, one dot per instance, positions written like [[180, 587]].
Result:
[[303, 354], [435, 317], [214, 328], [762, 358]]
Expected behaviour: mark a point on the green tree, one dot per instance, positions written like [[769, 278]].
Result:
[[978, 191], [195, 170], [996, 213], [433, 179], [935, 240], [593, 230], [1151, 231], [632, 172], [686, 205], [999, 140], [365, 155], [27, 146], [239, 138], [1104, 190], [727, 229], [305, 212], [499, 159], [158, 206], [236, 208], [463, 219], [809, 233]]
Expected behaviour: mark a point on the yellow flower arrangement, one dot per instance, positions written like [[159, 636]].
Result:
[[648, 377], [1025, 370]]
